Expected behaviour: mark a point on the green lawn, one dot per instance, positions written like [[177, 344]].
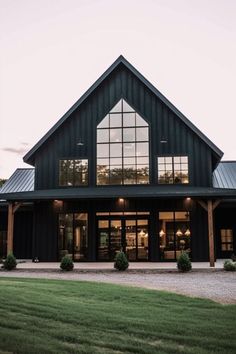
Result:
[[49, 316]]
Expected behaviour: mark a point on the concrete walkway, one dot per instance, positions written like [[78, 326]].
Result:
[[108, 266]]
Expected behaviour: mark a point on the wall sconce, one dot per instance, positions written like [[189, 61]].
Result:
[[121, 200]]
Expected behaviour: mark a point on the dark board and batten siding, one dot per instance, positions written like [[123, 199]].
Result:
[[81, 126]]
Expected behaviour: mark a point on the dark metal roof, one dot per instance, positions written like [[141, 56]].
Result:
[[121, 60], [22, 180], [123, 191], [224, 175]]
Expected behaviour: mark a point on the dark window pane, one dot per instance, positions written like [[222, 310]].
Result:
[[130, 174], [142, 174], [80, 172], [116, 175]]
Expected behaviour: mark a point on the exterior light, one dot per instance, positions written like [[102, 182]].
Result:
[[121, 200], [188, 199], [187, 232], [179, 232], [80, 143], [163, 141]]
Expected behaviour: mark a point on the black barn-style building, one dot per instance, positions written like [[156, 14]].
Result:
[[122, 169]]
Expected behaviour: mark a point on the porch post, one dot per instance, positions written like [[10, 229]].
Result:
[[211, 233], [10, 228]]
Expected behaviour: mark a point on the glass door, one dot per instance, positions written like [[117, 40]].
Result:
[[130, 241], [126, 234]]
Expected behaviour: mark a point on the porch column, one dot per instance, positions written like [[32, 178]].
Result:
[[210, 207], [10, 228], [12, 208], [211, 233]]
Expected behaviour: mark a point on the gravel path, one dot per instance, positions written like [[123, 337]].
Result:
[[219, 286]]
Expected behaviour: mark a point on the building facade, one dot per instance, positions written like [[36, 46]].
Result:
[[123, 169]]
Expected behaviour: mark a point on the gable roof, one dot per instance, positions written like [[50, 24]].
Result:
[[121, 60], [22, 180], [224, 175]]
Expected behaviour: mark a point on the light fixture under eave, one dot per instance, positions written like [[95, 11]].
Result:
[[80, 143], [163, 141]]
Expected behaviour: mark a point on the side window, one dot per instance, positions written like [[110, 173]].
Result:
[[172, 169], [73, 173], [226, 236]]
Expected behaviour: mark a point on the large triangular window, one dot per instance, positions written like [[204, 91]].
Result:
[[122, 147]]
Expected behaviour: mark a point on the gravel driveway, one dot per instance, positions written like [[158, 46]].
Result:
[[219, 286]]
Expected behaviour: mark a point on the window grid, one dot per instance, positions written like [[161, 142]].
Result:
[[131, 168], [73, 173], [173, 170]]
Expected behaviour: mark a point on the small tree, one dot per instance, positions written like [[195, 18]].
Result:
[[184, 263], [10, 262], [121, 261], [67, 263]]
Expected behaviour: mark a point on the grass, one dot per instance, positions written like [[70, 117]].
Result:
[[51, 316]]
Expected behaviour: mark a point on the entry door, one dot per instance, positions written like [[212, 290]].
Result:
[[136, 239], [127, 235]]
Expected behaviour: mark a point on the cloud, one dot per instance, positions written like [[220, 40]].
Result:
[[18, 151]]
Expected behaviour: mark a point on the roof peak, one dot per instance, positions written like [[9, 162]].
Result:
[[29, 157]]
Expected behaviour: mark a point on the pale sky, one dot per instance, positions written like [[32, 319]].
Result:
[[51, 52]]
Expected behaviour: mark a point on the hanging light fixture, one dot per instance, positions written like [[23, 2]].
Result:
[[187, 232], [161, 233], [179, 232]]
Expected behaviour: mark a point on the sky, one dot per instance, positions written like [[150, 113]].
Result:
[[52, 51]]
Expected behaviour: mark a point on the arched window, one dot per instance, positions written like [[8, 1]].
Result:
[[122, 147]]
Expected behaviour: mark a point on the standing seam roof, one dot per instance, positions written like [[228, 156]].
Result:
[[22, 180], [224, 175]]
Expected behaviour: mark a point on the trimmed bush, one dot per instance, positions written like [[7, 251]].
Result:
[[184, 263], [10, 262], [66, 263], [229, 265], [121, 261], [233, 257]]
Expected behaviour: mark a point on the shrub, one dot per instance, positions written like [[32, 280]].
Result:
[[10, 262], [121, 261], [233, 257], [67, 263], [184, 263], [230, 265]]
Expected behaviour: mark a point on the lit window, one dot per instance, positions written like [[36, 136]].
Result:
[[226, 239], [73, 173], [122, 147], [173, 169]]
